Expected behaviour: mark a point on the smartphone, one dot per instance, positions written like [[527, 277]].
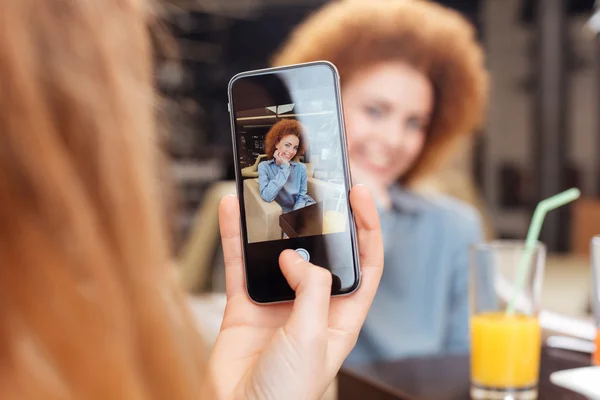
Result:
[[292, 176]]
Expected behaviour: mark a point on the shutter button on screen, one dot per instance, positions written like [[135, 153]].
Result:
[[304, 254]]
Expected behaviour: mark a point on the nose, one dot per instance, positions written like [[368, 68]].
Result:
[[392, 135]]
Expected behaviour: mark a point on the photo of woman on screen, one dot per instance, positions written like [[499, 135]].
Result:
[[282, 178]]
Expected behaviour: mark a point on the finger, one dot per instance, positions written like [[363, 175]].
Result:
[[370, 246], [312, 285], [370, 242], [229, 223]]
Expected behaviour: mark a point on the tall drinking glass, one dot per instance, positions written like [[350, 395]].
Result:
[[505, 348], [595, 252]]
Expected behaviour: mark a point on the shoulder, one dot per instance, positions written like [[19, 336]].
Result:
[[299, 167], [453, 216], [263, 165], [447, 207]]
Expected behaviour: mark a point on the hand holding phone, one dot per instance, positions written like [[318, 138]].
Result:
[[292, 176], [294, 350]]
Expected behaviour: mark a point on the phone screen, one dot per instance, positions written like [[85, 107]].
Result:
[[292, 175]]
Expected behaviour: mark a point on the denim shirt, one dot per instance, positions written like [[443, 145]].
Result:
[[286, 184], [422, 304]]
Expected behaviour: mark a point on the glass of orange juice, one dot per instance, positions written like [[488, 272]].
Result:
[[595, 253], [505, 347]]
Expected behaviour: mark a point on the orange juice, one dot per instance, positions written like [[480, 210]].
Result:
[[597, 353], [505, 350]]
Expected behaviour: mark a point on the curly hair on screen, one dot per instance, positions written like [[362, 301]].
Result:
[[281, 129], [439, 42]]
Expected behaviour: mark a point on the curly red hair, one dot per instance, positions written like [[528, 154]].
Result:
[[431, 38], [281, 129]]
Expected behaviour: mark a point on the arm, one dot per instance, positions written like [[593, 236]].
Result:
[[303, 198], [269, 188], [457, 331]]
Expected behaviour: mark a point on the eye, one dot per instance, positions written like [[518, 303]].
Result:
[[374, 111], [416, 124]]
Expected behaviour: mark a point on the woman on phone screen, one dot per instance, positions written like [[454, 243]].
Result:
[[282, 178]]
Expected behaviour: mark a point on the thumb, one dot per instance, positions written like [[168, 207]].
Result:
[[312, 284]]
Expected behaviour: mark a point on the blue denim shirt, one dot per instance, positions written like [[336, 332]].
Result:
[[286, 184], [422, 304]]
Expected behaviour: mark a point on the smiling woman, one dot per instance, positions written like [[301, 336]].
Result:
[[388, 108], [292, 131], [282, 178], [415, 50], [413, 84]]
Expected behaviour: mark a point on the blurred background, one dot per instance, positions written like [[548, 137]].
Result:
[[542, 133]]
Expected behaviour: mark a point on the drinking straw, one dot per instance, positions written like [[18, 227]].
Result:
[[533, 234]]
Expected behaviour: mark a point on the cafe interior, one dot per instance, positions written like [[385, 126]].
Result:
[[540, 138]]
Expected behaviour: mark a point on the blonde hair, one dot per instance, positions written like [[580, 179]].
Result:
[[89, 307], [433, 39]]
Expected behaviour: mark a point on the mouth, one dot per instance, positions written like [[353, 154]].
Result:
[[375, 167], [377, 162]]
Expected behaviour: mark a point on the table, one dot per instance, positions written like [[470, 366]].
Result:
[[306, 221], [442, 378]]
